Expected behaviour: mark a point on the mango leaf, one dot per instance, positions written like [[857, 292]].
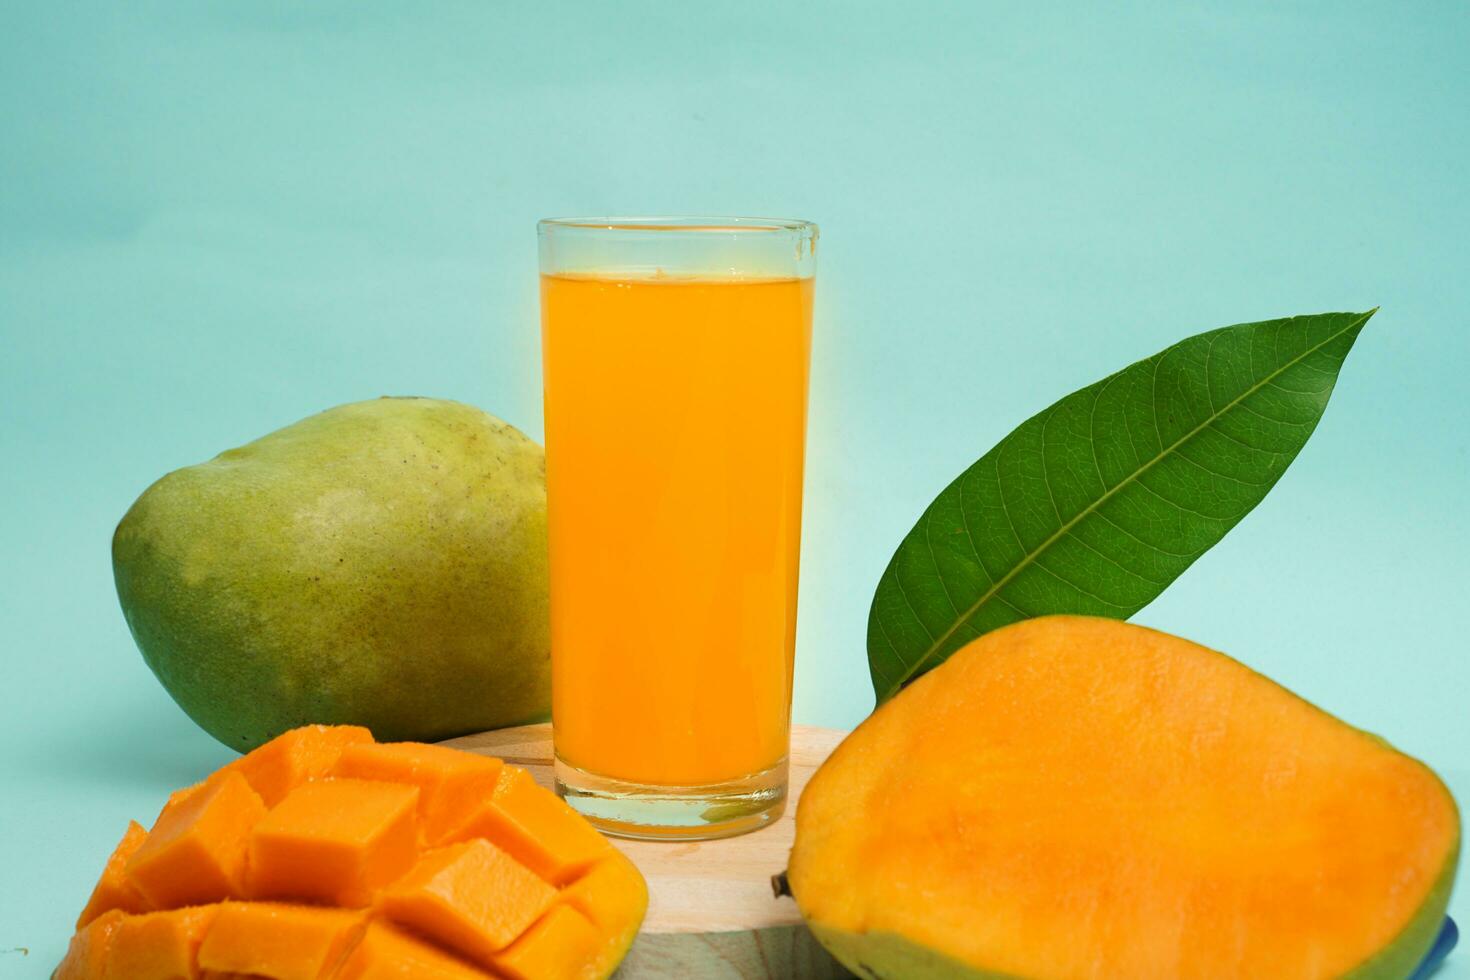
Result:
[[1097, 503]]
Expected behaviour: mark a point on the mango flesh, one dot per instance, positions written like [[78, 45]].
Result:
[[195, 852], [381, 564], [113, 890], [339, 882], [1072, 797]]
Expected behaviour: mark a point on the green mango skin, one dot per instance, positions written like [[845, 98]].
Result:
[[1401, 958], [890, 956], [382, 563]]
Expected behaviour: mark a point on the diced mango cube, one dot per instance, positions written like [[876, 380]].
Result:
[[509, 776], [471, 897], [159, 945], [86, 957], [195, 852], [282, 942], [113, 890], [562, 946], [613, 895], [451, 783], [296, 757], [536, 828], [337, 840], [387, 953]]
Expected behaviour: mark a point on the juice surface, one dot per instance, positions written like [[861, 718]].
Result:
[[675, 435]]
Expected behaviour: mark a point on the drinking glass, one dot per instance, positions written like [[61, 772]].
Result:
[[676, 356]]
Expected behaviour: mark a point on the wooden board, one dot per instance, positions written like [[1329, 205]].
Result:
[[711, 910]]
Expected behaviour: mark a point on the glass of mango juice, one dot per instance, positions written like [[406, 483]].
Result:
[[675, 356]]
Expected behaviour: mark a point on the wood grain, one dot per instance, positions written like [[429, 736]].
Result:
[[711, 911]]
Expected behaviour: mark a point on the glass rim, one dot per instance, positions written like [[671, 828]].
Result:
[[677, 224]]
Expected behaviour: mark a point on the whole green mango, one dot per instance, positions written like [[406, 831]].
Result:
[[382, 563]]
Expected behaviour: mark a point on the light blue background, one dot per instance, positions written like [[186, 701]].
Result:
[[218, 218]]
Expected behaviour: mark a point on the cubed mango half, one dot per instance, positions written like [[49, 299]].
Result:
[[312, 859]]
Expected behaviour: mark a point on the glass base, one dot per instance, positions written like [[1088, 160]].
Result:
[[645, 812]]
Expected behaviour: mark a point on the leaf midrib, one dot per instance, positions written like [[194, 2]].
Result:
[[1030, 557]]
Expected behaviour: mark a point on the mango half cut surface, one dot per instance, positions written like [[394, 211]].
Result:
[[324, 856], [1071, 797]]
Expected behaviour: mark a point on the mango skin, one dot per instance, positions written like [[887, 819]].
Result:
[[382, 563], [888, 955]]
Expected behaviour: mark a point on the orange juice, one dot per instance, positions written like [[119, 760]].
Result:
[[675, 432]]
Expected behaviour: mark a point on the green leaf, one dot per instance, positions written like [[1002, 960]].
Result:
[[1097, 503]]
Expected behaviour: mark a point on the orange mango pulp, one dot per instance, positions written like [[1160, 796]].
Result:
[[536, 828], [283, 942], [675, 431], [552, 947], [195, 852], [336, 840], [297, 756], [87, 955], [387, 953], [161, 945], [450, 782], [114, 890], [606, 892], [473, 897]]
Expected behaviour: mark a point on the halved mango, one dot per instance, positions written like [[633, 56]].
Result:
[[1072, 797], [282, 942], [113, 890], [195, 852], [337, 840], [225, 870]]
